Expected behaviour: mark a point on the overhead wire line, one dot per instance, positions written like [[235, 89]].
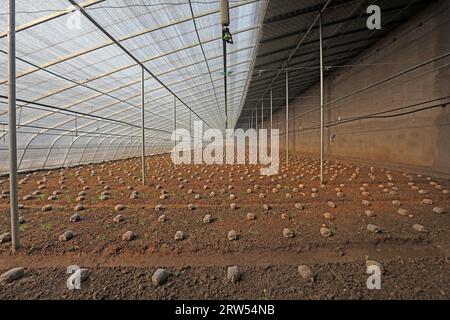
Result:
[[204, 56]]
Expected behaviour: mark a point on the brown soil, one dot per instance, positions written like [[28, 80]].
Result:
[[416, 264]]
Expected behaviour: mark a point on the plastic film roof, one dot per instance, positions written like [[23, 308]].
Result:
[[79, 92]]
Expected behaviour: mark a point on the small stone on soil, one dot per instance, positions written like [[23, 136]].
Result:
[[128, 236], [439, 210], [179, 235], [6, 237], [75, 218], [233, 274], [160, 277], [207, 219], [251, 216], [46, 208], [328, 216], [232, 235], [305, 272], [325, 232], [12, 275], [288, 233], [419, 228], [118, 218], [119, 207], [66, 236], [373, 228]]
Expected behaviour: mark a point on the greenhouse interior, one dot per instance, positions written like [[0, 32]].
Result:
[[224, 150]]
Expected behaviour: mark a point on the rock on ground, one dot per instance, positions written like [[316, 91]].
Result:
[[66, 236], [12, 275], [233, 274], [128, 236], [288, 233], [373, 228], [160, 277], [305, 272], [6, 237]]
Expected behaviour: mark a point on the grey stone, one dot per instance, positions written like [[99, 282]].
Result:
[[233, 274], [328, 216], [305, 272], [66, 236], [373, 228], [128, 236], [12, 275], [370, 213], [160, 277], [331, 204], [119, 207], [288, 233], [251, 216], [6, 237], [439, 210], [366, 203], [396, 203], [232, 235], [179, 235], [46, 208], [118, 218], [419, 228], [75, 218], [325, 232], [207, 219]]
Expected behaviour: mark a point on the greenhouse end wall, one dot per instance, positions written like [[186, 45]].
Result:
[[415, 140]]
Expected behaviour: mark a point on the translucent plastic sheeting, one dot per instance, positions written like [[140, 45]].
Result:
[[79, 93]]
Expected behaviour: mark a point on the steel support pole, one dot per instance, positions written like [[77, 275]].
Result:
[[190, 124], [271, 111], [321, 100], [287, 116], [262, 114], [12, 126], [174, 121], [225, 81], [143, 124], [256, 119]]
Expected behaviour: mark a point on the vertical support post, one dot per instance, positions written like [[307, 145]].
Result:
[[225, 81], [12, 125], [192, 143], [262, 114], [287, 116], [174, 120], [271, 111], [256, 119], [321, 100], [143, 125]]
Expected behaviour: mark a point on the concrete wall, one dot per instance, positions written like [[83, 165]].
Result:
[[419, 140]]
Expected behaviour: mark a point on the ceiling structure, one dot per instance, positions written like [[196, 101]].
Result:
[[291, 33], [79, 70]]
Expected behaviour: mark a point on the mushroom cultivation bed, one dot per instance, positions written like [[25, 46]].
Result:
[[197, 221]]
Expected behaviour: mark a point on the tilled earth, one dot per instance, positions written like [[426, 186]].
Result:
[[415, 263]]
